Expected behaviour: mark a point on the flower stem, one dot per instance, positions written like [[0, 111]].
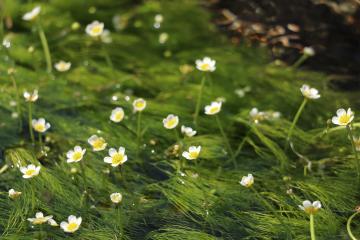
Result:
[[198, 102], [296, 118], [348, 226], [42, 233], [178, 140], [300, 61], [312, 227], [354, 150], [31, 131], [40, 142], [138, 134], [226, 140], [33, 200], [83, 174], [107, 57], [45, 46], [123, 178], [18, 108], [241, 145]]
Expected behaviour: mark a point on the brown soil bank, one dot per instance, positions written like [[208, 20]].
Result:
[[286, 26]]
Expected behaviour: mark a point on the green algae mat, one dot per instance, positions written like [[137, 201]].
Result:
[[129, 119]]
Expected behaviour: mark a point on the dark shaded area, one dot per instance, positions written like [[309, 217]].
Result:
[[331, 27]]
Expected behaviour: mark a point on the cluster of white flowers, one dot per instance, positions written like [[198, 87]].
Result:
[[257, 116]]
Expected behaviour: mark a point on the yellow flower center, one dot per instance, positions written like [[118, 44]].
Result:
[[171, 123], [77, 156], [30, 172], [139, 104], [194, 154], [344, 119], [38, 221], [119, 116], [62, 66], [72, 226], [311, 210], [39, 127], [98, 143], [96, 30], [117, 158], [214, 109], [205, 66]]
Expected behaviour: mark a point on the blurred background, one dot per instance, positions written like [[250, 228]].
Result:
[[286, 26]]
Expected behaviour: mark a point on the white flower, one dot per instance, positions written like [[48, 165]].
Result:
[[357, 143], [240, 92], [72, 225], [95, 29], [310, 93], [116, 158], [139, 105], [52, 222], [106, 36], [39, 218], [188, 131], [163, 37], [171, 121], [116, 197], [158, 18], [40, 125], [117, 115], [213, 108], [14, 194], [31, 97], [6, 43], [30, 171], [29, 16], [206, 64], [309, 51], [75, 155], [119, 22], [62, 66], [192, 153], [256, 116], [247, 181], [343, 117], [97, 143], [310, 208]]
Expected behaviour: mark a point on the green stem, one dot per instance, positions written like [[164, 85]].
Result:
[[107, 57], [122, 171], [178, 140], [42, 233], [1, 20], [83, 174], [30, 124], [138, 134], [348, 226], [18, 108], [300, 61], [33, 200], [296, 118], [45, 46], [354, 150], [40, 142], [312, 227], [241, 145], [198, 102], [227, 143]]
